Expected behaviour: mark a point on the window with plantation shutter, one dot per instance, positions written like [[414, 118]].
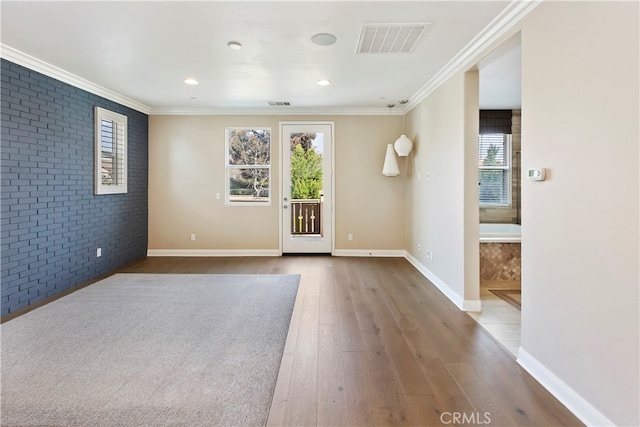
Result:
[[111, 152], [494, 161]]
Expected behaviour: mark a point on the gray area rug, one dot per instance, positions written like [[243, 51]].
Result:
[[149, 350]]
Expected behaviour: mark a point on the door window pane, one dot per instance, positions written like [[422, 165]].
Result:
[[306, 183]]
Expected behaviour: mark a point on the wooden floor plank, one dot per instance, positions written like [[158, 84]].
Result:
[[422, 411], [408, 370], [281, 392], [350, 339], [362, 403], [310, 280], [409, 373], [367, 321], [393, 409], [302, 411], [294, 325], [448, 395], [332, 400], [328, 307], [480, 396]]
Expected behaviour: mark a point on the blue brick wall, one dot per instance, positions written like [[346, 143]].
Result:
[[51, 222]]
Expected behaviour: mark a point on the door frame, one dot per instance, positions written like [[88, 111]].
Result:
[[332, 181]]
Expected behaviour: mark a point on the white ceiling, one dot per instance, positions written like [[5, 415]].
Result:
[[500, 80], [144, 50]]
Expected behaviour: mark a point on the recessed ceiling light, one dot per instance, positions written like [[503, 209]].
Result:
[[324, 39], [324, 82], [191, 81], [234, 45]]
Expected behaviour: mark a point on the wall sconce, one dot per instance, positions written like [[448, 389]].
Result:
[[402, 146], [390, 167]]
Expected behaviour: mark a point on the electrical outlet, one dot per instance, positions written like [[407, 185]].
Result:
[[429, 255], [98, 252], [193, 237], [350, 237], [217, 196], [419, 247]]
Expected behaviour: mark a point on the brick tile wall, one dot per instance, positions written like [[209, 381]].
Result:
[[51, 222]]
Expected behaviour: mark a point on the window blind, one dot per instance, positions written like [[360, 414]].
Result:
[[112, 144], [495, 121], [494, 163]]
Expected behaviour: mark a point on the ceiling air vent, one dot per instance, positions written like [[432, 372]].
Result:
[[390, 38], [279, 103]]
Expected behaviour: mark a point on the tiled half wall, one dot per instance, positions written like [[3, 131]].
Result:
[[500, 261]]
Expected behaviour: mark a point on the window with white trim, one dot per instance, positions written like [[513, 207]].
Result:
[[248, 166], [494, 160], [110, 152]]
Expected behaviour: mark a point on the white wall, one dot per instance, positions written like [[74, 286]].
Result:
[[580, 236], [580, 249], [436, 203], [186, 169], [471, 191]]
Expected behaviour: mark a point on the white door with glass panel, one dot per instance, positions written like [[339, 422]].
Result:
[[306, 198]]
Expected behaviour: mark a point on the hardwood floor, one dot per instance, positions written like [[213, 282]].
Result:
[[372, 342]]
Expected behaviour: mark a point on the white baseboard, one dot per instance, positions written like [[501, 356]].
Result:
[[458, 300], [265, 252], [211, 252], [565, 394], [369, 253]]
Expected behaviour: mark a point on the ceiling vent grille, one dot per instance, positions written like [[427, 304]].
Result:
[[390, 38], [279, 103]]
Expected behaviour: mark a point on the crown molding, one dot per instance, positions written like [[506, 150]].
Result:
[[275, 111], [35, 64], [502, 23]]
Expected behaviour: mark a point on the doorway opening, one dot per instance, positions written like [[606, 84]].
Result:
[[499, 148]]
